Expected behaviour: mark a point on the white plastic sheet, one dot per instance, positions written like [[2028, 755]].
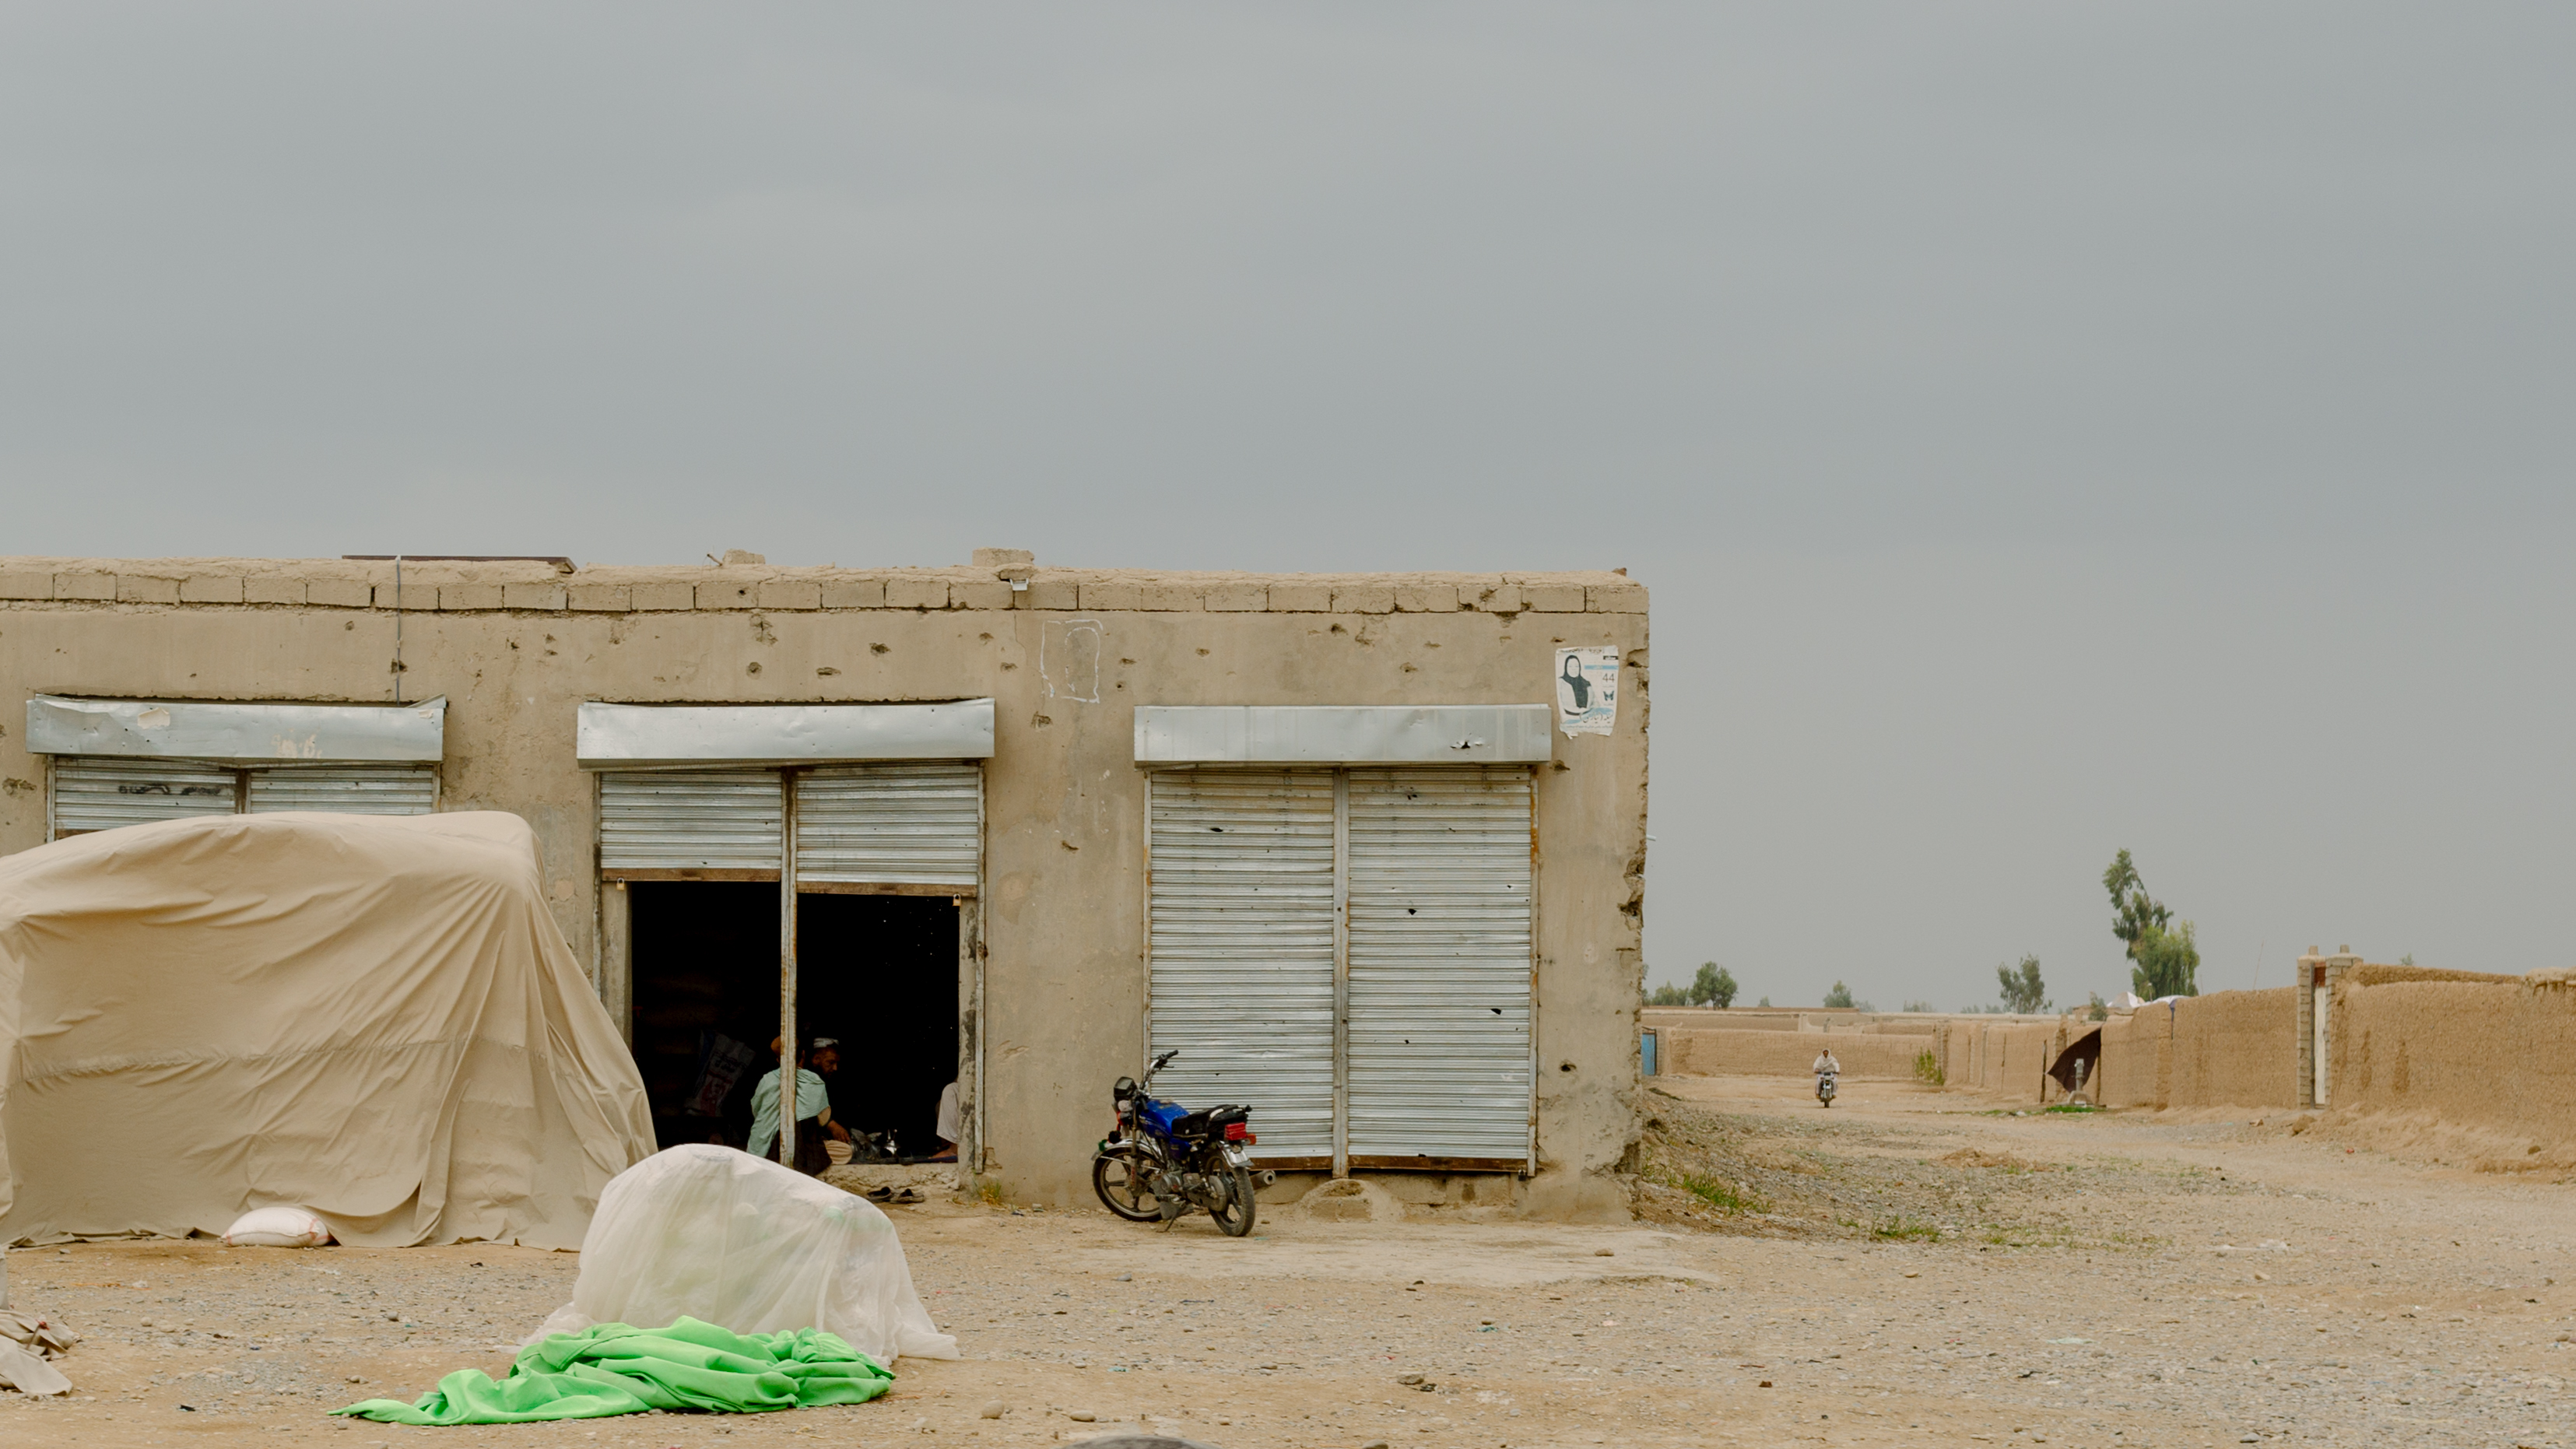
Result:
[[743, 1243]]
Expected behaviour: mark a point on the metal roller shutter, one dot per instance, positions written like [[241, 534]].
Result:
[[894, 824], [346, 789], [101, 794], [1241, 947], [1439, 990], [690, 820]]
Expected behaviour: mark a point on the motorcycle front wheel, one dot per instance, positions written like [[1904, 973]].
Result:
[[1236, 1220], [1118, 1175]]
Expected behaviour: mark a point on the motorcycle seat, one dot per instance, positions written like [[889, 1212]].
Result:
[[1214, 1119]]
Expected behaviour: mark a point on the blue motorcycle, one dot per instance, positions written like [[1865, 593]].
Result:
[[1160, 1160]]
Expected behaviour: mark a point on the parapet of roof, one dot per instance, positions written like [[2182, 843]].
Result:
[[538, 586]]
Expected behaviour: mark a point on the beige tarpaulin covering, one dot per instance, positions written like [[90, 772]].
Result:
[[374, 1018]]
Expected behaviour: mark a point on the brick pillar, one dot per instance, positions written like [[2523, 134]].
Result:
[[2318, 972]]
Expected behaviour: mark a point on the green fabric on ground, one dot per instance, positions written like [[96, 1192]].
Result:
[[611, 1368]]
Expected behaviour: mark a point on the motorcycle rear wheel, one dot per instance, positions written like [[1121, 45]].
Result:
[[1241, 1209], [1118, 1175]]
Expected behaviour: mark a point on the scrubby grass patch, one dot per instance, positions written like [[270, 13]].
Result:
[[1724, 1196]]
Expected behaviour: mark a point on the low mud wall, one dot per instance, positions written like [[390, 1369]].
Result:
[[2490, 1059], [1784, 1054], [2137, 1058], [2007, 1059], [1710, 1018], [2235, 1049]]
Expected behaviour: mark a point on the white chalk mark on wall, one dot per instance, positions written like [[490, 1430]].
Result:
[[1069, 659]]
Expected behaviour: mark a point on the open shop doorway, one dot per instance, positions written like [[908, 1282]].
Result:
[[705, 973], [878, 973]]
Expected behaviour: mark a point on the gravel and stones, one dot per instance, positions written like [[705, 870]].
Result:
[[1912, 1268]]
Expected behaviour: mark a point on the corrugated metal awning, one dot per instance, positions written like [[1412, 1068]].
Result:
[[653, 823], [1241, 947], [891, 824], [249, 734], [633, 736], [102, 794], [1343, 734], [1439, 1011]]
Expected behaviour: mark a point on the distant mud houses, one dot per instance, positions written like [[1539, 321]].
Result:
[[2470, 1063]]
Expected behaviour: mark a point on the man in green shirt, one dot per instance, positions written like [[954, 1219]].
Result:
[[813, 1108]]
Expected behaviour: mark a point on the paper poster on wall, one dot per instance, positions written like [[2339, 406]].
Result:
[[1587, 690]]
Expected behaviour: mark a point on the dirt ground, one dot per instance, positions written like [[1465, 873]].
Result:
[[1913, 1267]]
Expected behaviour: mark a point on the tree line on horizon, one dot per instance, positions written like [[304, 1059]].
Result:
[[2164, 961]]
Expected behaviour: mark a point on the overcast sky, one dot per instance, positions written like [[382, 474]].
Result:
[[2046, 428]]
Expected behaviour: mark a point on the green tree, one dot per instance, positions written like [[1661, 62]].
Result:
[[2165, 959], [1839, 996], [2135, 912], [2097, 1009], [1714, 986], [2022, 990], [1668, 995]]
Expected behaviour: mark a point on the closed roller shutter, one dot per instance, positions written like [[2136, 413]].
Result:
[[1439, 992], [346, 789], [892, 824], [690, 820], [1241, 946], [101, 794]]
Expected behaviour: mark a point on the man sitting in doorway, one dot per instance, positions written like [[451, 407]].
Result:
[[948, 1128], [813, 1107]]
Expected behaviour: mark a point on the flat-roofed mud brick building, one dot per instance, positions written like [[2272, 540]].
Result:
[[1368, 849]]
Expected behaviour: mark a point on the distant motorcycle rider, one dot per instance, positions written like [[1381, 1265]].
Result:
[[1827, 1070]]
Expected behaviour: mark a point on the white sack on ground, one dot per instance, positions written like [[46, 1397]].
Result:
[[277, 1227], [743, 1243], [373, 1018]]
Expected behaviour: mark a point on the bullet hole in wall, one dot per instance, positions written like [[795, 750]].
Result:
[[827, 671], [351, 624], [752, 668], [1202, 653], [876, 649]]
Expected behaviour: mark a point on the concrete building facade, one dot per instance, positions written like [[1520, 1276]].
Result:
[[1015, 826]]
